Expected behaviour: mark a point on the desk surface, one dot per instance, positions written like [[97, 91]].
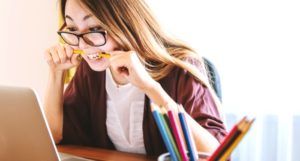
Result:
[[102, 154]]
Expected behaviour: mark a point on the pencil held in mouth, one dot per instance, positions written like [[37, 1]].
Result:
[[93, 56]]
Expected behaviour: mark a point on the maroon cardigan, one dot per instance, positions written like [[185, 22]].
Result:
[[84, 106]]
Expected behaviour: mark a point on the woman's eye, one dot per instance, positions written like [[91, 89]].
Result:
[[71, 29], [95, 29]]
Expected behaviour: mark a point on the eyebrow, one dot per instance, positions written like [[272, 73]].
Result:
[[84, 18]]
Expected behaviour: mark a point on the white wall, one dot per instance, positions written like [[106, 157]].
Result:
[[27, 28], [255, 45]]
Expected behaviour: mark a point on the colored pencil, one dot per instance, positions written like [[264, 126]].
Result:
[[166, 123], [188, 137], [163, 131], [244, 130], [232, 140], [178, 137], [226, 142]]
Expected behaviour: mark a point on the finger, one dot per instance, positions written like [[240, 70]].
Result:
[[54, 55], [124, 71], [114, 58], [69, 51], [120, 62], [76, 59], [48, 57], [61, 53], [117, 52], [117, 61], [120, 67], [116, 55]]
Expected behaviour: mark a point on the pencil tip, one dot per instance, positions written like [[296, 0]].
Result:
[[153, 106]]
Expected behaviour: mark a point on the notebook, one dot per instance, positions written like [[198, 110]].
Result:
[[24, 132]]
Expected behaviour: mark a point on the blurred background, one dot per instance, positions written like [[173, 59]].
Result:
[[27, 29], [254, 45]]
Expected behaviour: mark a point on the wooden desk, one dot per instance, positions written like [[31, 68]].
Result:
[[102, 154]]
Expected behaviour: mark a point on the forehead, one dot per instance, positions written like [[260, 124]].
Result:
[[77, 11]]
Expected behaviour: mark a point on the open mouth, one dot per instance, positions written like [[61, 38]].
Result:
[[94, 56]]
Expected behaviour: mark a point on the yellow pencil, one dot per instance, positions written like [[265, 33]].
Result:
[[244, 129], [100, 54]]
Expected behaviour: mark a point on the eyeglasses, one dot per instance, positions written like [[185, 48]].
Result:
[[93, 38]]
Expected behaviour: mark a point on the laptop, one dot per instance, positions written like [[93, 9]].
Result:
[[24, 132]]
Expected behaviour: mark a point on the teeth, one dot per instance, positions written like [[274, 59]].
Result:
[[93, 56]]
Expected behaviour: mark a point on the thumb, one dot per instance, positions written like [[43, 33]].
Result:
[[76, 59]]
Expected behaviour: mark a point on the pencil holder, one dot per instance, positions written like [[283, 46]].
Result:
[[166, 156]]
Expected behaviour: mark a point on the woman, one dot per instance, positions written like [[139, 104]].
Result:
[[107, 103]]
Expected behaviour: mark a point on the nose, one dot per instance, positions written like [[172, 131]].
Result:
[[82, 44]]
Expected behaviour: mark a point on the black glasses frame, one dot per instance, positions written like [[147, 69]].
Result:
[[104, 33]]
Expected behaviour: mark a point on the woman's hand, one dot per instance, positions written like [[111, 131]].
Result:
[[61, 57], [129, 67]]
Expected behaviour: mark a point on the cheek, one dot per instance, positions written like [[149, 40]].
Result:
[[75, 48], [110, 45]]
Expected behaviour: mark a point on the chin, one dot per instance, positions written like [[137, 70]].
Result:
[[97, 69], [98, 65]]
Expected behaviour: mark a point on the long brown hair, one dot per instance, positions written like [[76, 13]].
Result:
[[132, 25]]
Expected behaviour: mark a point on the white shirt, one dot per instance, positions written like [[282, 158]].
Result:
[[125, 111]]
